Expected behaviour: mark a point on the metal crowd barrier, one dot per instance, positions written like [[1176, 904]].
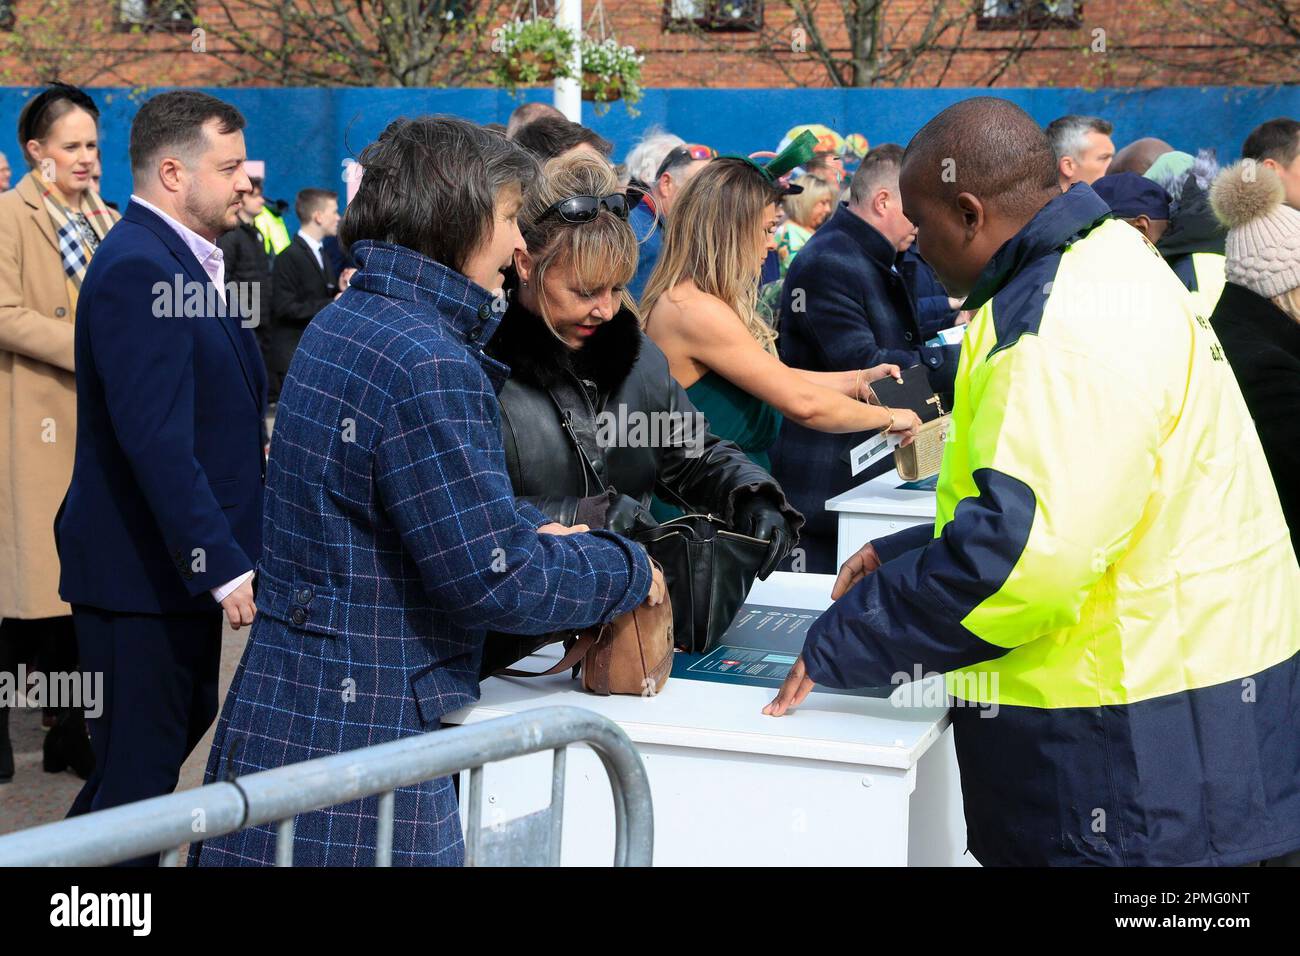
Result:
[[164, 824]]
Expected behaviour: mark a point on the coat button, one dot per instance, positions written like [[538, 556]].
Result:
[[598, 466], [60, 312], [908, 336], [304, 595], [299, 616]]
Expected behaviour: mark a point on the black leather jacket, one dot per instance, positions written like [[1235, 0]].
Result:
[[611, 416]]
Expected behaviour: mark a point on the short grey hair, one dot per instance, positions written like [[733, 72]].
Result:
[[880, 167], [1068, 134], [644, 158]]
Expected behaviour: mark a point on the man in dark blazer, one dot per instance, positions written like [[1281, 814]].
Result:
[[846, 306], [161, 526], [303, 280]]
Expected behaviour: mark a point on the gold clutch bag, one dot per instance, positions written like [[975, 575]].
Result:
[[922, 458]]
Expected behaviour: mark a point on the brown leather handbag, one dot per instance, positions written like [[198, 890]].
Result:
[[632, 654]]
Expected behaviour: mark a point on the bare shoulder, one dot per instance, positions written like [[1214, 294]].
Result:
[[690, 314]]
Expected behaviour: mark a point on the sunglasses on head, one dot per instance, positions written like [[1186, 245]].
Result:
[[580, 209], [680, 154]]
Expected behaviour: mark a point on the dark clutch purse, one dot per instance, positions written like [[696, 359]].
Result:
[[708, 569]]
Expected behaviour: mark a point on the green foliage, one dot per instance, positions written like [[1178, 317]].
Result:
[[610, 71], [532, 51]]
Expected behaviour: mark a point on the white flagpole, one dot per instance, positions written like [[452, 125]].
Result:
[[568, 93]]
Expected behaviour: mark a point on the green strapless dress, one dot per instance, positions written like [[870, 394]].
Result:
[[735, 415]]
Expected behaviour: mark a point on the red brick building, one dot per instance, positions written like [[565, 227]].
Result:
[[702, 43]]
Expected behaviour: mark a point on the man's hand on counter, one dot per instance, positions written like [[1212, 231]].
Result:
[[854, 570], [797, 686]]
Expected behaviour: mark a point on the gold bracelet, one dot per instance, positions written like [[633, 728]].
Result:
[[857, 387], [890, 426]]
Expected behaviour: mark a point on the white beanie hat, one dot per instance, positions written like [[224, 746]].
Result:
[[1263, 248]]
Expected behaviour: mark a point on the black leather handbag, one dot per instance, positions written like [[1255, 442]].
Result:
[[708, 569]]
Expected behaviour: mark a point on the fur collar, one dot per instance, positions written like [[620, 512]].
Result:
[[535, 355]]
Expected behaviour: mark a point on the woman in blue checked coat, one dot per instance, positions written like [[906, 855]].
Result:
[[392, 539]]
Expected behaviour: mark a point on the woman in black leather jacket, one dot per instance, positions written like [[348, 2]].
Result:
[[592, 422]]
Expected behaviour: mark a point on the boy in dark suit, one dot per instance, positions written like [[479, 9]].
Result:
[[303, 280], [161, 526]]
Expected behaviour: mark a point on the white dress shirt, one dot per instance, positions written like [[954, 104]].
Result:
[[316, 246]]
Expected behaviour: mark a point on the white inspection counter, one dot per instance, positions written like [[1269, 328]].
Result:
[[844, 780], [877, 508]]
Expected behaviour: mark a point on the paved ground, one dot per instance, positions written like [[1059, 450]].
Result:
[[35, 797]]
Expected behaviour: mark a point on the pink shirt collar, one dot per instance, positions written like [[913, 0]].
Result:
[[209, 254]]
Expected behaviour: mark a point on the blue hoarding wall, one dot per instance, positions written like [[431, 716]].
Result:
[[304, 135]]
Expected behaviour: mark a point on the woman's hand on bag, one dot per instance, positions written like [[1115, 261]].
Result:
[[759, 518], [658, 589], [875, 374], [857, 567], [794, 689], [906, 423], [555, 527]]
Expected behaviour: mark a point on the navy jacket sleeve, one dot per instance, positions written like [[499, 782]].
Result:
[[832, 317], [900, 542], [146, 366], [442, 480]]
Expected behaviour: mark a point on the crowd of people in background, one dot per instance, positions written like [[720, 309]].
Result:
[[765, 291]]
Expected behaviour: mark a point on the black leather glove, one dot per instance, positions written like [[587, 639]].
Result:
[[626, 515], [758, 517]]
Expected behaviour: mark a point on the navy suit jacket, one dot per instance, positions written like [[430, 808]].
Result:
[[844, 306], [166, 495]]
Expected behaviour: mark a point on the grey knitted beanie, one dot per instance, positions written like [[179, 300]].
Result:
[[1263, 248]]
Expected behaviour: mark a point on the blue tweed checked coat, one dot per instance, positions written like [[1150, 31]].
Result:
[[392, 542]]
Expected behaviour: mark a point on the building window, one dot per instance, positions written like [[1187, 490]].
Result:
[[156, 15], [716, 16], [6, 15], [1028, 15]]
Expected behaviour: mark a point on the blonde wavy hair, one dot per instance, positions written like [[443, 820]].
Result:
[[1289, 302], [601, 253], [799, 207], [715, 238]]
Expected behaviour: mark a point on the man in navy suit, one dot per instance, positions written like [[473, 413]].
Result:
[[845, 305], [161, 527]]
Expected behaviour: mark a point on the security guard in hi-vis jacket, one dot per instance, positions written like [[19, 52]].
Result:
[[1109, 583]]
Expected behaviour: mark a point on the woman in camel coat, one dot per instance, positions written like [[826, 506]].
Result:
[[39, 278]]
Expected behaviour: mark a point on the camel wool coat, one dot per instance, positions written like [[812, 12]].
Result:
[[38, 403]]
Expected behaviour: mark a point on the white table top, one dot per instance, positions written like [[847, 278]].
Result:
[[714, 716], [882, 496]]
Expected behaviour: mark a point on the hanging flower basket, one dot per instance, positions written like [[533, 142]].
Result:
[[532, 52], [610, 72]]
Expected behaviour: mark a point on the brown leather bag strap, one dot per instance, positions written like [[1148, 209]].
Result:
[[576, 653]]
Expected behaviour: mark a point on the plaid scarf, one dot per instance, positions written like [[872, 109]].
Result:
[[78, 231]]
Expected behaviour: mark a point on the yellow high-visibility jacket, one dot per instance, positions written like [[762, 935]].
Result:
[[1110, 585], [275, 234]]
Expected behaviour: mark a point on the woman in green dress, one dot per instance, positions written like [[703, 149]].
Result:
[[700, 310]]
